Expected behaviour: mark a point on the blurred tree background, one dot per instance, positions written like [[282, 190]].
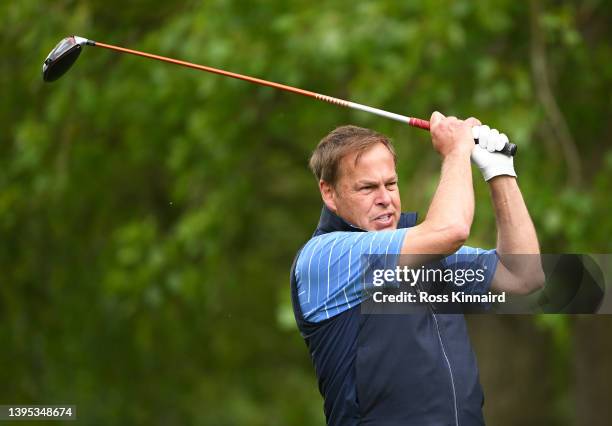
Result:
[[149, 214]]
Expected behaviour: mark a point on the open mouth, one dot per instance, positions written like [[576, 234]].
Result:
[[384, 219]]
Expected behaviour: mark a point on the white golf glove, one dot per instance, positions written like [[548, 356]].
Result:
[[486, 156]]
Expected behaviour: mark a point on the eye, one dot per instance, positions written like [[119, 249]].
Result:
[[391, 185], [366, 188]]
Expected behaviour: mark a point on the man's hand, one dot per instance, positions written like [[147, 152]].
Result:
[[486, 153], [450, 135]]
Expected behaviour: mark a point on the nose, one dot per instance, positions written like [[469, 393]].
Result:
[[383, 198]]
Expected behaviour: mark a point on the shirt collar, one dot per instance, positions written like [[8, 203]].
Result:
[[331, 222]]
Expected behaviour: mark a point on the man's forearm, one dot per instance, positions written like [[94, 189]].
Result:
[[449, 218], [520, 271], [515, 231], [453, 201]]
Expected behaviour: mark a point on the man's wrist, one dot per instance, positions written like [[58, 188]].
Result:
[[461, 152], [502, 182], [495, 171]]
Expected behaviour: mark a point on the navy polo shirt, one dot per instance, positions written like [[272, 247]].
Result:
[[383, 369]]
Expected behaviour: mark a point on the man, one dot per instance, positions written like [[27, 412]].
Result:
[[399, 369]]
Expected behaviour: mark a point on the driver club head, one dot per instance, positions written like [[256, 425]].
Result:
[[61, 58]]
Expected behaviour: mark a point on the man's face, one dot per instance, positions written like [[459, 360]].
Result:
[[366, 193]]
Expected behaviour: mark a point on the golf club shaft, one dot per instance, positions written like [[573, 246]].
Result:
[[415, 122], [509, 148]]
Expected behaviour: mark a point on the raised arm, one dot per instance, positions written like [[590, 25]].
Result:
[[519, 270], [449, 218]]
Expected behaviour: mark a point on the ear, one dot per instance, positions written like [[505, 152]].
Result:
[[328, 193]]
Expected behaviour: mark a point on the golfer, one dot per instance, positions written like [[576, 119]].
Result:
[[403, 369]]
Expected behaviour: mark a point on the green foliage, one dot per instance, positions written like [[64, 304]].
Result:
[[149, 214]]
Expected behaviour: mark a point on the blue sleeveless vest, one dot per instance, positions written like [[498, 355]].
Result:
[[391, 369]]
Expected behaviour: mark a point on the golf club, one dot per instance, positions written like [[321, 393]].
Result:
[[67, 51]]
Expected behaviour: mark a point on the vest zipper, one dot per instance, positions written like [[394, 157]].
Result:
[[450, 370]]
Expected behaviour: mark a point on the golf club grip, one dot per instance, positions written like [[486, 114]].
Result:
[[509, 149]]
